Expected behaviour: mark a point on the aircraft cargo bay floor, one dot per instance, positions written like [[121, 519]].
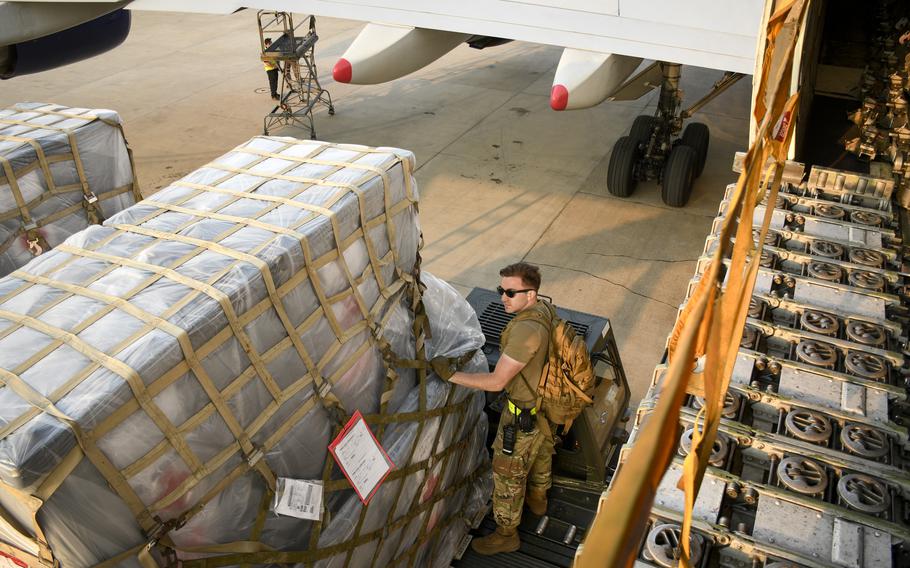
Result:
[[502, 177]]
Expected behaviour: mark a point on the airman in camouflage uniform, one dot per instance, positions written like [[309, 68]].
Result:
[[520, 367]]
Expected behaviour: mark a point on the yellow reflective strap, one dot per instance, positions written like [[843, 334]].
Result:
[[516, 410]]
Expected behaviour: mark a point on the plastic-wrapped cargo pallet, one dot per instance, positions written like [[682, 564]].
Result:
[[61, 169], [163, 369]]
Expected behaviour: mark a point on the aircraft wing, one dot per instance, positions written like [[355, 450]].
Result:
[[605, 40], [717, 34]]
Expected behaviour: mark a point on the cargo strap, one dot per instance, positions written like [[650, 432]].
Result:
[[455, 362], [85, 116], [711, 318], [421, 330], [313, 555], [34, 239], [37, 224], [90, 200], [30, 232]]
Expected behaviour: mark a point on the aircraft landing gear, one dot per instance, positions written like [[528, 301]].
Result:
[[654, 150]]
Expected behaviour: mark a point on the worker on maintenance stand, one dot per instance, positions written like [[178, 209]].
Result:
[[524, 448], [271, 70]]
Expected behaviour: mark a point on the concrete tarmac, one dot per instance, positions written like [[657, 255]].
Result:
[[502, 177]]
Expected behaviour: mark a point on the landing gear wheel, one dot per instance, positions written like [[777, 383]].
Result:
[[331, 110], [696, 136], [679, 173], [641, 128], [621, 180]]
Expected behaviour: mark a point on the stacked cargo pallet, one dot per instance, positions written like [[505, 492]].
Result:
[[61, 170], [163, 371], [810, 466]]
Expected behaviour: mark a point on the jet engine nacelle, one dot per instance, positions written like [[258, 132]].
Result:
[[66, 46], [383, 52]]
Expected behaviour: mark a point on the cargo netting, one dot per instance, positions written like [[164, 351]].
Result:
[[163, 370], [61, 170]]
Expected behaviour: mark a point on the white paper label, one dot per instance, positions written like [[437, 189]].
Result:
[[362, 459], [299, 498]]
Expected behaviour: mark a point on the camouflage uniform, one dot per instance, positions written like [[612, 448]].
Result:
[[531, 462]]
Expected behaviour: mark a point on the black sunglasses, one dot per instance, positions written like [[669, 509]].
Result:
[[510, 293]]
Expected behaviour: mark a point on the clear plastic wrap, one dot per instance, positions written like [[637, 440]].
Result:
[[60, 159], [213, 332], [455, 331]]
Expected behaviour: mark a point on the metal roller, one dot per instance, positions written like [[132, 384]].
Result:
[[830, 212], [866, 365], [826, 249], [865, 333], [816, 353], [819, 322], [808, 425], [864, 440], [864, 493], [802, 475], [825, 271], [662, 546]]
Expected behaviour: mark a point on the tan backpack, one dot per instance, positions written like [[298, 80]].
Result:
[[567, 384]]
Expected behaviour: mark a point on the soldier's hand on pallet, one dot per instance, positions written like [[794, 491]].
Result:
[[444, 367]]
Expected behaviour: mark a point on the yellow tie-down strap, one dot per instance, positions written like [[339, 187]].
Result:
[[709, 326]]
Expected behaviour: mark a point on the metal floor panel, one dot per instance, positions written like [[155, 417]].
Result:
[[472, 559], [535, 551], [567, 507]]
